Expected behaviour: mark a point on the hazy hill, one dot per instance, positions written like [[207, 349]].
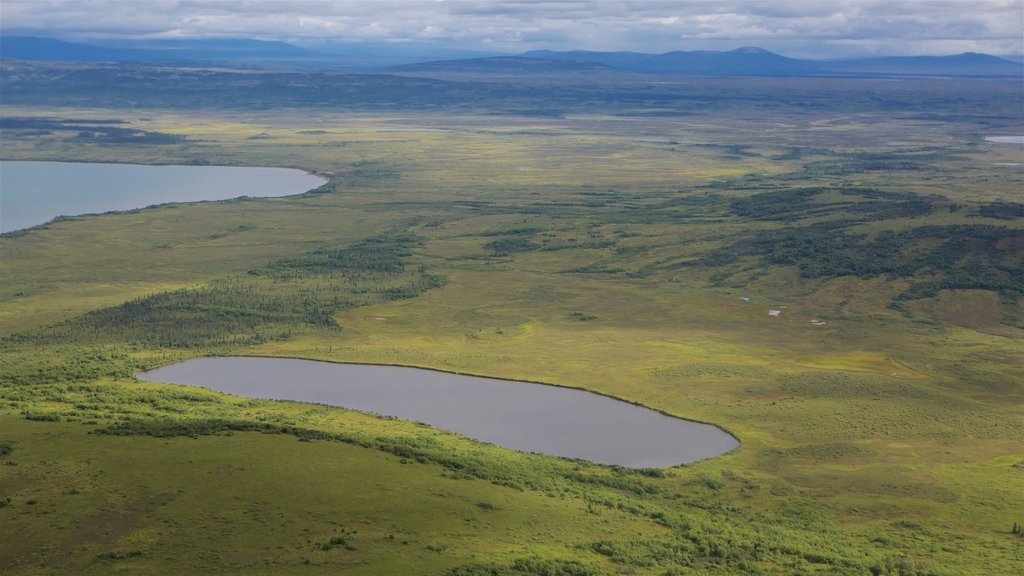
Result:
[[968, 63], [36, 48], [760, 62], [505, 65], [32, 48], [625, 60], [748, 60], [323, 54], [743, 61]]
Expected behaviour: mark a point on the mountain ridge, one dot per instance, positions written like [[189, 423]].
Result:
[[52, 49], [743, 61], [758, 61]]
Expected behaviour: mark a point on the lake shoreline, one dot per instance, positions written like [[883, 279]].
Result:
[[661, 412], [143, 203]]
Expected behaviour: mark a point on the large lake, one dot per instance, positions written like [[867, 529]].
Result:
[[33, 193], [517, 415]]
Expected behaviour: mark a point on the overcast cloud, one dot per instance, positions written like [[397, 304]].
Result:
[[800, 28]]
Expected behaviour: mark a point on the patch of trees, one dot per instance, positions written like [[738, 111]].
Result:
[[793, 204], [1002, 210], [67, 364], [862, 162], [344, 540], [622, 479], [950, 257], [528, 567], [99, 131], [511, 245], [266, 304], [731, 151], [382, 254], [106, 135], [784, 205]]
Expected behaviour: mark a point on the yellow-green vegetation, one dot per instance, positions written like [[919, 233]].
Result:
[[635, 256]]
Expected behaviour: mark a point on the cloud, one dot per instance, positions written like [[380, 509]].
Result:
[[793, 27]]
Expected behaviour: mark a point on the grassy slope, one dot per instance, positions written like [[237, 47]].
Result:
[[884, 436], [255, 504]]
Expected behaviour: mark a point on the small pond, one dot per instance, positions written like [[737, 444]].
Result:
[[34, 193], [518, 415]]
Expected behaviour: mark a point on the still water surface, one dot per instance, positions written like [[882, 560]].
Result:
[[517, 415], [33, 193], [1006, 139]]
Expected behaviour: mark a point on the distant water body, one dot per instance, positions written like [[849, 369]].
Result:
[[33, 193], [518, 415], [1006, 139]]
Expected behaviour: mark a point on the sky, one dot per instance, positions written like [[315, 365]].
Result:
[[817, 29]]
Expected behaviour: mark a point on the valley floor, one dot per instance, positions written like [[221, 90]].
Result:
[[879, 413]]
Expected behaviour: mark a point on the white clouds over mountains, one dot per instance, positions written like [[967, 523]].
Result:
[[801, 28]]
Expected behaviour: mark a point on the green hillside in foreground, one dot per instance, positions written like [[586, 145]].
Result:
[[611, 251]]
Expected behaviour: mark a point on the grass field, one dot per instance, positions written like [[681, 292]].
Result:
[[590, 250]]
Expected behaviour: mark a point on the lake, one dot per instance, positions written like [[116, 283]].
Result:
[[33, 193], [1006, 139], [518, 415]]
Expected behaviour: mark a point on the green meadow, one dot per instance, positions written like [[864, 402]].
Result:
[[635, 255]]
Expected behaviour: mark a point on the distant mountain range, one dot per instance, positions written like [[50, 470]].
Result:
[[741, 61], [746, 61], [760, 62], [34, 48], [227, 51]]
